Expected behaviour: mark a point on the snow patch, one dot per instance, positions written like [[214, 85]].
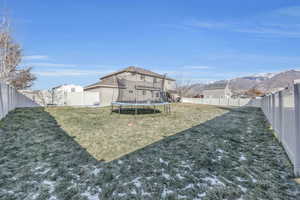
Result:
[[186, 165], [242, 157], [91, 196], [243, 188], [166, 176], [96, 171], [213, 181], [120, 162], [162, 161], [179, 176], [136, 182], [220, 150], [51, 184], [166, 192], [189, 186]]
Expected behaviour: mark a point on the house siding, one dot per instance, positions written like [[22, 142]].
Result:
[[110, 93]]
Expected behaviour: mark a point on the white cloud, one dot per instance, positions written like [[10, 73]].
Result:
[[46, 64], [271, 31], [260, 25], [35, 57], [197, 67], [72, 72], [207, 24], [290, 30]]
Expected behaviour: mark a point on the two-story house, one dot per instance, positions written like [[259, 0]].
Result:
[[146, 80]]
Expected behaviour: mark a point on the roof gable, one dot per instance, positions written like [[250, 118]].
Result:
[[137, 70], [216, 86]]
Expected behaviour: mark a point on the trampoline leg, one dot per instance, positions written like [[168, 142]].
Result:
[[135, 112], [112, 108], [119, 109]]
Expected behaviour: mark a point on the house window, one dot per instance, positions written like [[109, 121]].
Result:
[[72, 89], [157, 94], [142, 77], [130, 91], [144, 92], [154, 80]]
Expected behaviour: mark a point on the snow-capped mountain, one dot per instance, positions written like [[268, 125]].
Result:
[[265, 82]]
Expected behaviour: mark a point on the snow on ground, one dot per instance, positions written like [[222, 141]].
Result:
[[215, 159], [213, 181]]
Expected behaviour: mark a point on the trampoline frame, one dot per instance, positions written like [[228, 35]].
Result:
[[167, 106]]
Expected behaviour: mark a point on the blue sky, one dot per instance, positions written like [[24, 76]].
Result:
[[73, 41]]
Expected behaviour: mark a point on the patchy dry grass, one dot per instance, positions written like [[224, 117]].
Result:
[[227, 154], [108, 137]]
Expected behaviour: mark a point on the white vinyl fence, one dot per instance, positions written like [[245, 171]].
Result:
[[82, 99], [282, 110], [61, 98], [224, 101], [10, 99]]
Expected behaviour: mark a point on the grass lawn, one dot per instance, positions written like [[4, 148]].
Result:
[[107, 137], [197, 152]]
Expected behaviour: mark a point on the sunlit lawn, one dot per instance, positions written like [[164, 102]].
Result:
[[108, 136]]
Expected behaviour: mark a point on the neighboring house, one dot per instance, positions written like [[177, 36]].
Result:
[[107, 87], [56, 95], [68, 88], [41, 97], [217, 90], [59, 93], [65, 95]]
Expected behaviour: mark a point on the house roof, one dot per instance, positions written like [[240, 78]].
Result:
[[216, 86], [139, 71], [59, 86], [108, 82]]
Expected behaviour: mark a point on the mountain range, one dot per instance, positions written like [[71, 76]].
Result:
[[264, 82]]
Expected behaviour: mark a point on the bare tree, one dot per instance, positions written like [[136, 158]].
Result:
[[184, 89], [49, 97], [10, 57], [42, 98]]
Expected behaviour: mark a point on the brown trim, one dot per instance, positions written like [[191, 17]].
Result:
[[147, 88], [98, 86]]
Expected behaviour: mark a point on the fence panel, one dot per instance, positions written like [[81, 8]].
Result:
[[82, 99], [10, 99], [282, 110], [224, 101]]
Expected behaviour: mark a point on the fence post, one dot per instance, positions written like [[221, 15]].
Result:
[[273, 110], [297, 128], [270, 109], [280, 113]]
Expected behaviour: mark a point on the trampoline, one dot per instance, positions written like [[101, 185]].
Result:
[[136, 91]]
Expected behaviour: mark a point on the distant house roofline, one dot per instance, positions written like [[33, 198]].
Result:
[[65, 85], [109, 82], [137, 70], [216, 86]]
